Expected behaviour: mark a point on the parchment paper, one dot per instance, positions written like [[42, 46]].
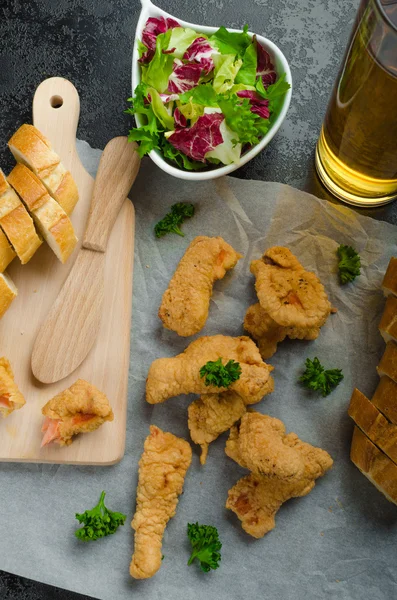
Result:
[[340, 540]]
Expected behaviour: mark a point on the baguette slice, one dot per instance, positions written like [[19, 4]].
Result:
[[16, 222], [374, 464], [385, 398], [388, 362], [10, 397], [375, 426], [389, 283], [31, 148], [8, 292], [50, 218], [388, 322], [7, 254]]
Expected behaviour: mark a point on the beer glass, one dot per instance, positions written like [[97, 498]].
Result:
[[356, 154]]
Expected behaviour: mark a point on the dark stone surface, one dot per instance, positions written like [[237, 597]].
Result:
[[90, 43]]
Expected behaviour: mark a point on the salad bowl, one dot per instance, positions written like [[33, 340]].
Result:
[[149, 10]]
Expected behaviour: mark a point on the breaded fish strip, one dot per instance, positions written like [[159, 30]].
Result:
[[211, 415], [292, 296], [255, 499], [170, 377], [79, 409], [185, 304], [162, 470], [267, 333], [260, 444], [10, 397]]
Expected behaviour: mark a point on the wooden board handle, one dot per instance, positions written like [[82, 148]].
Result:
[[56, 110], [118, 168]]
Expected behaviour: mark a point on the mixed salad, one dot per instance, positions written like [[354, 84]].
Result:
[[203, 100]]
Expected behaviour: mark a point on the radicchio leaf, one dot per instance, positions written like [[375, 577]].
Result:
[[169, 97], [179, 119], [258, 105], [183, 77], [265, 68], [153, 28], [199, 139], [200, 51]]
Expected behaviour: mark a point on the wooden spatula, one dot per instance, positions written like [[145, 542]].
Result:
[[70, 329]]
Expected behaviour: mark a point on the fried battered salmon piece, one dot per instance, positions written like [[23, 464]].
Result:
[[292, 296], [170, 377], [162, 470], [261, 445], [10, 397], [185, 304], [267, 333], [211, 415], [79, 409], [256, 498]]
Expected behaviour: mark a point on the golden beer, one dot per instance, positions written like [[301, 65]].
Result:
[[356, 155]]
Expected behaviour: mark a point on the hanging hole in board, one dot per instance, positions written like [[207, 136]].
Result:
[[56, 101]]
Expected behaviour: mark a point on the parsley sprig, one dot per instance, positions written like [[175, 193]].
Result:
[[318, 379], [220, 375]]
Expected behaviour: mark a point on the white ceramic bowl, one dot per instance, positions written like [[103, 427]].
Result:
[[281, 66]]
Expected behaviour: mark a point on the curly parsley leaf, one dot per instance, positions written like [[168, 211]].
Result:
[[349, 263], [220, 375], [317, 378]]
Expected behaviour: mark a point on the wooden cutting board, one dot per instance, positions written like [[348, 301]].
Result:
[[56, 109]]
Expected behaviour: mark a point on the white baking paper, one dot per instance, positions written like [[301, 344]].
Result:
[[339, 542]]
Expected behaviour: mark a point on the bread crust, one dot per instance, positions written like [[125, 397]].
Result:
[[50, 218], [385, 398], [374, 464], [388, 362], [31, 148], [8, 292], [389, 283], [7, 254], [388, 322]]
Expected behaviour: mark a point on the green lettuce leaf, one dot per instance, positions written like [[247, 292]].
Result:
[[148, 135], [229, 151], [247, 126], [141, 48], [274, 93], [203, 94], [247, 72], [191, 111], [159, 109], [160, 67], [229, 42], [226, 69], [180, 39]]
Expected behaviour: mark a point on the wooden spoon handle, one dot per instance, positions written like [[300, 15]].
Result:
[[118, 168]]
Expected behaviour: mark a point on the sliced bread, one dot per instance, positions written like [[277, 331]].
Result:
[[50, 218], [30, 147], [385, 398], [374, 464], [16, 222], [7, 254], [389, 283], [8, 292], [388, 362], [375, 426], [388, 322]]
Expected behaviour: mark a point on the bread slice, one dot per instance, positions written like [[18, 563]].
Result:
[[16, 222], [385, 398], [375, 426], [50, 218], [374, 464], [8, 292], [388, 362], [388, 322], [31, 148], [7, 254], [389, 283]]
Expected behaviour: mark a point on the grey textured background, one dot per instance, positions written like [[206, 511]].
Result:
[[90, 43]]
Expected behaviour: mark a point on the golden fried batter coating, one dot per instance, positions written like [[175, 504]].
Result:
[[170, 377], [260, 444], [10, 397], [79, 409], [267, 333], [162, 470], [211, 415], [255, 499], [185, 304], [292, 296]]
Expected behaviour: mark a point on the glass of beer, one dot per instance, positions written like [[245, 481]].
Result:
[[356, 154]]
